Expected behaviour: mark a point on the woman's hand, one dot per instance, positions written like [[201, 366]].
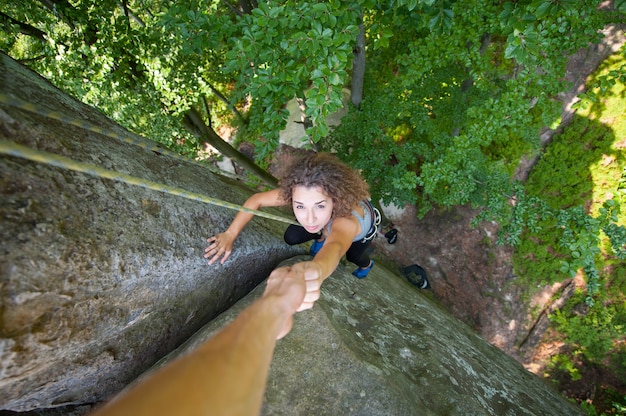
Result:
[[313, 278], [219, 245]]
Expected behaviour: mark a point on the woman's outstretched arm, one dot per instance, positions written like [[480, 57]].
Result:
[[326, 260]]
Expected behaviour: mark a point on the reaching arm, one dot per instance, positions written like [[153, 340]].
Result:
[[326, 260], [221, 245], [338, 241], [227, 374]]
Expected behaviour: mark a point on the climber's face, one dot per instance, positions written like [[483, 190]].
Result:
[[312, 207]]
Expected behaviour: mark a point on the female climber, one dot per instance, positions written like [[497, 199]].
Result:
[[331, 204]]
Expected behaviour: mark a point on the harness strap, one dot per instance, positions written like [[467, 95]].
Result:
[[376, 218]]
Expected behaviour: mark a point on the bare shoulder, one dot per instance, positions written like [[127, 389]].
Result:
[[345, 226]]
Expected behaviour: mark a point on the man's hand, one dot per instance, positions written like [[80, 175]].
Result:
[[298, 285]]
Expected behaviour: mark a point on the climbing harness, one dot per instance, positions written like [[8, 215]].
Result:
[[391, 235], [376, 218], [16, 150]]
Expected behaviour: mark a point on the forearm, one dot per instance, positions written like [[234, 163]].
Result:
[[338, 241], [240, 358], [225, 376], [255, 202], [243, 218], [239, 222], [327, 259]]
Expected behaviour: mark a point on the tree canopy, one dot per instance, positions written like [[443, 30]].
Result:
[[454, 94]]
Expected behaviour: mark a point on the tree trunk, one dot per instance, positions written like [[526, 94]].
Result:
[[24, 28], [194, 123], [247, 5], [358, 67], [225, 100], [60, 8]]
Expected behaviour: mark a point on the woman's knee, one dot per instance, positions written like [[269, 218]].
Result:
[[296, 234], [357, 254], [290, 239], [360, 259]]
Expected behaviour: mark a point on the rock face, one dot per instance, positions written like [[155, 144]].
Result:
[[380, 346], [100, 279]]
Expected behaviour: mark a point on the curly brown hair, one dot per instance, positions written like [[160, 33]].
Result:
[[343, 184]]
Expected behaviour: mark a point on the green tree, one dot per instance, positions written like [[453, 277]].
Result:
[[454, 93]]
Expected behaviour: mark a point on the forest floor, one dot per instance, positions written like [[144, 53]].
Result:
[[473, 277]]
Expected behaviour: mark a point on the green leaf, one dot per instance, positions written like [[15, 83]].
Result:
[[442, 21], [335, 79], [320, 8], [544, 9], [322, 129], [274, 12], [317, 73], [262, 21]]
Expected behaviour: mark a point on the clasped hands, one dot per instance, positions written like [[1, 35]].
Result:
[[306, 275], [297, 285]]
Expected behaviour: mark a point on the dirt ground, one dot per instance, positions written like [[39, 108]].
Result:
[[468, 273]]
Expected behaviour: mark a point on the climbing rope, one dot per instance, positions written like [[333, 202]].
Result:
[[16, 150], [13, 149], [55, 115], [128, 138]]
